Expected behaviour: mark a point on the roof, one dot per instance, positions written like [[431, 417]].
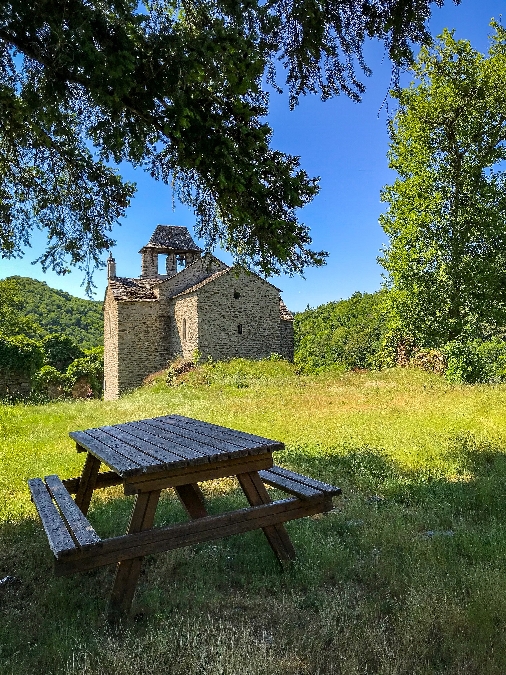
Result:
[[172, 237], [124, 288], [284, 312], [205, 281]]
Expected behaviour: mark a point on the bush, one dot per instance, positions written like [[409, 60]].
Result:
[[86, 373], [476, 361], [49, 383], [60, 351], [20, 355]]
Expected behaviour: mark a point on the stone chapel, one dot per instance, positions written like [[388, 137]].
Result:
[[198, 304]]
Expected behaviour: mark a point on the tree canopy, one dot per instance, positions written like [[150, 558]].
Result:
[[179, 89], [446, 216]]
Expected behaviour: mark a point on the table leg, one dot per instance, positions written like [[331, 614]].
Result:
[[87, 483], [192, 499], [277, 536], [127, 571]]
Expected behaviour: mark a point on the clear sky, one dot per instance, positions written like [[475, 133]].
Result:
[[342, 142]]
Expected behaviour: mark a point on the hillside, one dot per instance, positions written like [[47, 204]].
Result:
[[59, 312]]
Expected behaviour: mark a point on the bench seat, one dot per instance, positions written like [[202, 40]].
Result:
[[67, 529], [297, 484]]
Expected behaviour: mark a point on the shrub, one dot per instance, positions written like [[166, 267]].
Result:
[[60, 351], [86, 373], [49, 382], [20, 354], [476, 361]]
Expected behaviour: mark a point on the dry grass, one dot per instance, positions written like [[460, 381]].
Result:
[[405, 576]]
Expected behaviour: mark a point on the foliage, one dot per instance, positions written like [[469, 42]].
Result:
[[13, 319], [176, 88], [446, 216], [49, 382], [19, 354], [345, 334], [55, 311], [60, 351], [89, 368], [476, 361]]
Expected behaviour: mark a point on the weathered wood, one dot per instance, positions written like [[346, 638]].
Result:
[[144, 462], [196, 452], [60, 541], [87, 483], [79, 527], [104, 480], [304, 480], [212, 447], [114, 460], [192, 474], [234, 433], [157, 453], [288, 485], [276, 535], [194, 532], [192, 499], [127, 571]]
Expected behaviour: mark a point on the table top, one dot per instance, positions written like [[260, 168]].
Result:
[[171, 441]]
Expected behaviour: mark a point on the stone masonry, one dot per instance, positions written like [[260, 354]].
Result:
[[223, 312]]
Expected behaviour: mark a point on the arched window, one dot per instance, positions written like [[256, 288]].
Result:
[[239, 328], [237, 295], [184, 329]]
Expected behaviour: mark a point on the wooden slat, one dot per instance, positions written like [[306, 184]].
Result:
[[104, 480], [114, 460], [79, 526], [60, 541], [306, 480], [196, 474], [214, 447], [192, 499], [195, 532], [288, 485], [157, 453], [195, 453], [240, 435]]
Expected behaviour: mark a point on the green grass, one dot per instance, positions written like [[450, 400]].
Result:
[[406, 575]]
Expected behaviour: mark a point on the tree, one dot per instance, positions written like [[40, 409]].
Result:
[[177, 88], [446, 215]]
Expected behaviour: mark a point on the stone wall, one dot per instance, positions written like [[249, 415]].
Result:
[[238, 317], [286, 343], [190, 276], [142, 342], [111, 382], [14, 384], [185, 327]]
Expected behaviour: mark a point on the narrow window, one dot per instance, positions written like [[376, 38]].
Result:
[[237, 295], [239, 328], [184, 329]]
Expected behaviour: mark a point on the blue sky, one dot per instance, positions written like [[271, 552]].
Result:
[[342, 142]]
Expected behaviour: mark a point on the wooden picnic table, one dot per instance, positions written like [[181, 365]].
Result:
[[173, 451]]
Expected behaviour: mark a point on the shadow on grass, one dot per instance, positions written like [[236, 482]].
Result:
[[406, 575]]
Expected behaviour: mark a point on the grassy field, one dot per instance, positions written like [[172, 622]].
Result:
[[406, 575]]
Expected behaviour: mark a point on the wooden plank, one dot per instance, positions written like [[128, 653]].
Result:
[[87, 482], [233, 433], [140, 442], [217, 437], [127, 571], [79, 526], [288, 485], [214, 448], [129, 451], [192, 499], [114, 460], [104, 480], [276, 535], [197, 474], [194, 453], [194, 532], [60, 541], [306, 480]]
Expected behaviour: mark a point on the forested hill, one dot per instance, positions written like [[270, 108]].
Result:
[[59, 312]]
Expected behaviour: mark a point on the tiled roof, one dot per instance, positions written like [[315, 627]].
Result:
[[172, 237], [133, 289], [284, 312]]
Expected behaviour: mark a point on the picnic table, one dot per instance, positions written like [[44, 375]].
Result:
[[150, 455]]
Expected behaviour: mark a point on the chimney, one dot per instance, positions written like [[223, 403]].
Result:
[[111, 267]]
